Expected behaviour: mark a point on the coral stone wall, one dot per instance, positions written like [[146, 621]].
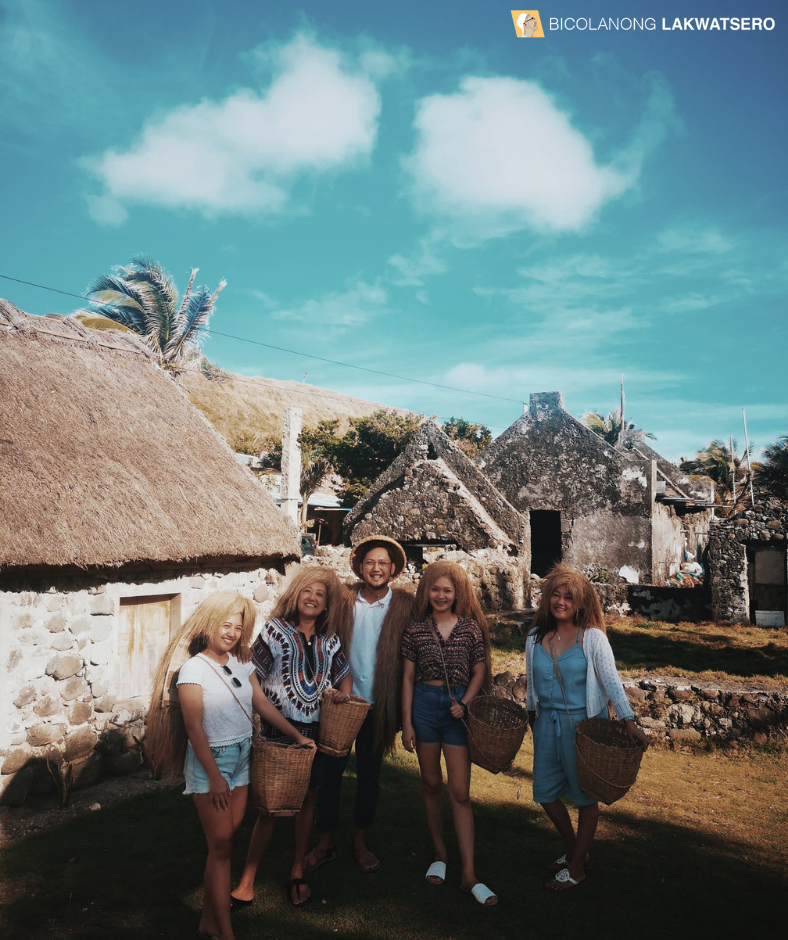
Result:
[[59, 643], [765, 525], [680, 711]]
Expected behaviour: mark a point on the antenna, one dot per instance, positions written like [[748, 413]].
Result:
[[747, 451], [733, 474]]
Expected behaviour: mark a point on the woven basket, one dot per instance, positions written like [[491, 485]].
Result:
[[279, 776], [607, 761], [496, 728], [340, 723]]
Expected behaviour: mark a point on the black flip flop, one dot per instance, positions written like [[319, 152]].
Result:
[[296, 883]]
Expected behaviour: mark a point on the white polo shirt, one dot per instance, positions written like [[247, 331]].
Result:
[[367, 621]]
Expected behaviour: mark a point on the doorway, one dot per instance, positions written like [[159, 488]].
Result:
[[766, 570], [546, 548]]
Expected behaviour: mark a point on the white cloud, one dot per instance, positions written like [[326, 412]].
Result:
[[499, 155], [106, 210], [243, 154], [347, 309]]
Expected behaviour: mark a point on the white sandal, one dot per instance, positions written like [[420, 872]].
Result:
[[436, 870], [483, 894]]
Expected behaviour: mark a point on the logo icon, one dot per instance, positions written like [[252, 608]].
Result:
[[527, 24]]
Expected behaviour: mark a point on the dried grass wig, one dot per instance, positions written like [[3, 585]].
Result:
[[327, 623], [588, 610], [165, 738]]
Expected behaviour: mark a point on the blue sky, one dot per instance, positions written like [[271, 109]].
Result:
[[413, 189]]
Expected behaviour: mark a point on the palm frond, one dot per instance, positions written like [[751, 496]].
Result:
[[194, 320], [127, 315]]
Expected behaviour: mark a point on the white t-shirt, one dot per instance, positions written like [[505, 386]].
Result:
[[223, 721]]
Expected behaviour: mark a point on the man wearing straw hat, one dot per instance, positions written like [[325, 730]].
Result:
[[371, 640]]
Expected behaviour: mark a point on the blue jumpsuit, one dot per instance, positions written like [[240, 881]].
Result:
[[555, 770]]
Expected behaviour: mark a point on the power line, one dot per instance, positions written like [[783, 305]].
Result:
[[296, 352]]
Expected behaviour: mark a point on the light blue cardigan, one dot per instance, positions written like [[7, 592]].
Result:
[[603, 684]]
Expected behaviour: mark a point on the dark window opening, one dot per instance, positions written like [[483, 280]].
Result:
[[545, 540]]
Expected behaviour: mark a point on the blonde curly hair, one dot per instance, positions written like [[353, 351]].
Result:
[[588, 610], [165, 736]]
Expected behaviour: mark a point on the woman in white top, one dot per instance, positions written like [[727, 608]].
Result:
[[216, 695], [569, 639]]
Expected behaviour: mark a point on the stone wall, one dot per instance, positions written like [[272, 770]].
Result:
[[765, 525], [680, 710], [59, 641]]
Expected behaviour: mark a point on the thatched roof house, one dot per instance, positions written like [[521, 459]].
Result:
[[106, 463], [121, 509], [432, 494]]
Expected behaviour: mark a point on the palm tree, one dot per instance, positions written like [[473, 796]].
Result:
[[772, 473], [143, 298], [608, 428], [315, 468], [727, 469]]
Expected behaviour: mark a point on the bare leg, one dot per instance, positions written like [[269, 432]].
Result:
[[559, 817], [587, 819], [219, 827], [261, 836], [431, 783], [300, 894], [458, 771]]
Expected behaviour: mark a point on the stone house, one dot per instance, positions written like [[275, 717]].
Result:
[[623, 509], [120, 510], [749, 564], [434, 499]]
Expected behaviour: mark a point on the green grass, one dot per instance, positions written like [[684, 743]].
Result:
[[706, 651], [697, 846]]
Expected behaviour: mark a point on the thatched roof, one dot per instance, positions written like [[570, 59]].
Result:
[[432, 491], [104, 462]]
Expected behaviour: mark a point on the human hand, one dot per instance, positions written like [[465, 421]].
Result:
[[219, 792], [304, 741], [637, 735], [457, 709], [339, 696], [243, 653], [408, 738]]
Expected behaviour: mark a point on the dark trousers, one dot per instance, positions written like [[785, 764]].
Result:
[[368, 764]]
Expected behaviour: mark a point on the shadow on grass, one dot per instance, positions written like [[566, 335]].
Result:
[[134, 870], [679, 650]]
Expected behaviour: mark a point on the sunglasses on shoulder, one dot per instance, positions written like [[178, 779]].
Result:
[[236, 681]]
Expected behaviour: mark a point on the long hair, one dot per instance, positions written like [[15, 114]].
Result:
[[466, 604], [327, 623], [588, 610], [165, 736]]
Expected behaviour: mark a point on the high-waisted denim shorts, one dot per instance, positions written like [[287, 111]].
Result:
[[432, 720], [232, 761]]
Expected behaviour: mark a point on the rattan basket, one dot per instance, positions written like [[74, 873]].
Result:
[[279, 776], [607, 761], [340, 723], [496, 728]]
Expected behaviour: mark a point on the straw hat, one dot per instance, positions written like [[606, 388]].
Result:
[[399, 552]]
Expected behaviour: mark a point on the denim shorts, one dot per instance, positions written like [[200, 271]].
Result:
[[232, 761], [432, 719]]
